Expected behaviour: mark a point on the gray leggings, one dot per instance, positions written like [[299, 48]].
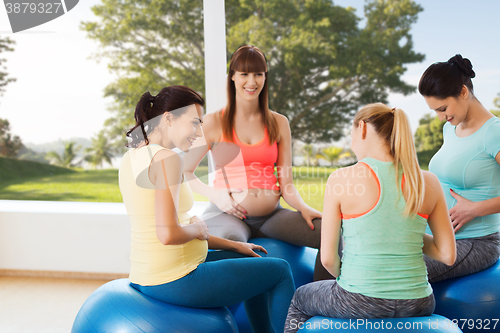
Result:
[[282, 224], [473, 255], [327, 298]]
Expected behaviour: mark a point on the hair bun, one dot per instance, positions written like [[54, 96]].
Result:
[[464, 64], [147, 96]]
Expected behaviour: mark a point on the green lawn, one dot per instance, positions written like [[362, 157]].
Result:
[[92, 185], [11, 168], [21, 180], [311, 183]]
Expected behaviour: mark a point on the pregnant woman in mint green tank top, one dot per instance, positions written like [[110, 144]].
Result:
[[467, 165], [382, 206]]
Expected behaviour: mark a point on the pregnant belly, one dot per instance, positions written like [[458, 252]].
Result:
[[256, 201]]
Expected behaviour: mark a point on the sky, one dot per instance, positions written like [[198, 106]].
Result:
[[59, 89]]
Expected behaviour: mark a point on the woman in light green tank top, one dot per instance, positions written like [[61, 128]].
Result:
[[381, 206], [467, 165]]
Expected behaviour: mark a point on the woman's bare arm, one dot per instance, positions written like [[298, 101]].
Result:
[[285, 173], [440, 245], [165, 173], [330, 228]]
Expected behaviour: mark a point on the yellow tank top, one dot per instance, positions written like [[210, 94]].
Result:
[[151, 262]]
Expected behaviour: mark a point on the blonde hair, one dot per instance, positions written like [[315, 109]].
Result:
[[392, 125]]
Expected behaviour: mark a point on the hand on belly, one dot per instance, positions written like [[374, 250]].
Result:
[[256, 201]]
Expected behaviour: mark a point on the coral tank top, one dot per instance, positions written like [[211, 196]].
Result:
[[242, 166]]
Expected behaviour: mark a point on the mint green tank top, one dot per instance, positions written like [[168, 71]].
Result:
[[467, 166], [382, 254]]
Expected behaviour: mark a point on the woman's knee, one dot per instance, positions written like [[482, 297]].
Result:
[[317, 224], [282, 267], [301, 294], [234, 234], [228, 227]]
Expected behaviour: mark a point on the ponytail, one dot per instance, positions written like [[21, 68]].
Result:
[[392, 125], [403, 149], [142, 115], [149, 108]]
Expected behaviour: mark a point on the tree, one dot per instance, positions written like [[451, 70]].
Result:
[[429, 134], [9, 144], [99, 152], [349, 157], [331, 154], [308, 151], [151, 44], [496, 103], [316, 157], [67, 158], [428, 138], [4, 79], [29, 154], [323, 67]]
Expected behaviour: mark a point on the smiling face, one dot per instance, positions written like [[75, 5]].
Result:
[[185, 128], [452, 109], [248, 85]]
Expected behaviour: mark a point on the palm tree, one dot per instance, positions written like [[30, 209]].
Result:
[[100, 151], [349, 155], [316, 157], [331, 154], [308, 151], [67, 157]]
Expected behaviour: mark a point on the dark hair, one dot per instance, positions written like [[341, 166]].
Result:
[[446, 79], [149, 107], [248, 59]]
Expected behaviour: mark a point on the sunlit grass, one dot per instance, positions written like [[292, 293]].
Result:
[[102, 186], [92, 185], [311, 183]]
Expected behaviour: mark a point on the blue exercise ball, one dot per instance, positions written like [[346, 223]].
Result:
[[301, 260], [434, 323], [473, 300], [117, 307]]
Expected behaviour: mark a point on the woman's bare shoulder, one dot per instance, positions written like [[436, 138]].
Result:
[[212, 118], [280, 118], [283, 125], [358, 170], [212, 126], [431, 182], [169, 157]]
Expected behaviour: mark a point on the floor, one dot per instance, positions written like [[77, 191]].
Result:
[[42, 305]]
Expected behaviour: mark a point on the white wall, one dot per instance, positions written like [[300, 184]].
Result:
[[95, 237], [85, 237]]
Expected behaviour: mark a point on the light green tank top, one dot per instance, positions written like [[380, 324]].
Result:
[[382, 254]]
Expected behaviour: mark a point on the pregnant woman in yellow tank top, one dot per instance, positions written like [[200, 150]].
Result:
[[169, 259]]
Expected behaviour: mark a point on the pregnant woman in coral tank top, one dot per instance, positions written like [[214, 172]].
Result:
[[247, 141]]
